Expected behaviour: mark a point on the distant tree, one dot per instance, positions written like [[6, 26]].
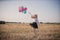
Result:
[[41, 22], [2, 22]]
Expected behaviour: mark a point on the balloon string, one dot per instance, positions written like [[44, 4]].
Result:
[[29, 13], [19, 2]]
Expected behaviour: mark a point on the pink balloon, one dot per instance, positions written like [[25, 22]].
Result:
[[20, 9], [25, 8]]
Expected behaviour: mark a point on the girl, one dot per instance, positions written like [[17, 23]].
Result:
[[35, 23]]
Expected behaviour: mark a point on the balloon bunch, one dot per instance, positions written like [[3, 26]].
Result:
[[23, 9]]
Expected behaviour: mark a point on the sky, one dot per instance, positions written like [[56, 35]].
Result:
[[47, 10]]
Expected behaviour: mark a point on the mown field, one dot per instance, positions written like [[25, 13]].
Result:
[[17, 31]]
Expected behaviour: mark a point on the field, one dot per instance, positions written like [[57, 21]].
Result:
[[17, 31]]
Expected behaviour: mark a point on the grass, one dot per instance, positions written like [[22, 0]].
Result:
[[16, 31]]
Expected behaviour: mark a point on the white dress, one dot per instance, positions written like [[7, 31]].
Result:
[[36, 20]]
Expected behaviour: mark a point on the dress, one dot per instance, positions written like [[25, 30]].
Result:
[[35, 23]]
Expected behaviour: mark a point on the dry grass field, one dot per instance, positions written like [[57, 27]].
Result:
[[17, 31]]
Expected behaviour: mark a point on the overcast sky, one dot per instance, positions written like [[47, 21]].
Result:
[[47, 10]]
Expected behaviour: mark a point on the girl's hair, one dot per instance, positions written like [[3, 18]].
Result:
[[36, 15]]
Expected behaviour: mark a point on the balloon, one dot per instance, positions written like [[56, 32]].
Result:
[[24, 12], [25, 9], [22, 9]]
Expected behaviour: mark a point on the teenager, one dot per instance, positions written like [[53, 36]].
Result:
[[35, 23]]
